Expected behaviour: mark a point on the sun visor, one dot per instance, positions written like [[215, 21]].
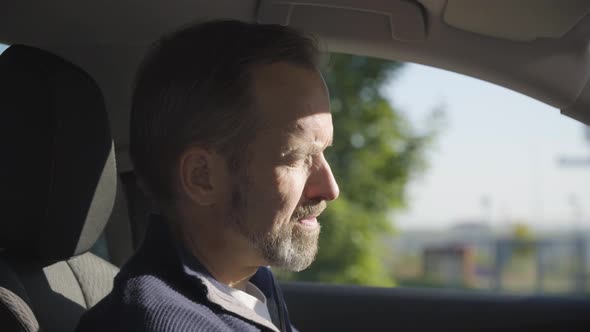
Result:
[[521, 20], [388, 19]]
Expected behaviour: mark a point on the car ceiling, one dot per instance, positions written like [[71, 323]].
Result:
[[536, 47]]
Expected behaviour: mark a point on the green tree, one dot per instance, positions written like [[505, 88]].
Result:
[[375, 153]]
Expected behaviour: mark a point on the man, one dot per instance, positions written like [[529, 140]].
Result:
[[228, 128]]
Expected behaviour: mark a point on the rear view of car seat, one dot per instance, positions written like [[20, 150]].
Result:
[[58, 184]]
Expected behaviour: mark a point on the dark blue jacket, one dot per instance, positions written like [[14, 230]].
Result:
[[164, 288]]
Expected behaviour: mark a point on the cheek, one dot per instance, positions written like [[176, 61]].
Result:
[[273, 198], [270, 198], [290, 184]]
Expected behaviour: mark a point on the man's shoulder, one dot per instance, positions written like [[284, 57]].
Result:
[[151, 289], [148, 303]]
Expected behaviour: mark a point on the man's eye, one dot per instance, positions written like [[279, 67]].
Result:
[[302, 161]]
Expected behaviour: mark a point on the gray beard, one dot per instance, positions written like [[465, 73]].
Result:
[[287, 246]]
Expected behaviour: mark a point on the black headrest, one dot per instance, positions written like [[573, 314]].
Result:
[[58, 169]]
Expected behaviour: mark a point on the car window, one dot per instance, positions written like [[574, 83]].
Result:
[[451, 182]]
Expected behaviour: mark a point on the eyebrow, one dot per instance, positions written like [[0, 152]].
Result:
[[308, 149]]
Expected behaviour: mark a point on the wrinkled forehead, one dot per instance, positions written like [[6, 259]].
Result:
[[316, 127], [310, 134]]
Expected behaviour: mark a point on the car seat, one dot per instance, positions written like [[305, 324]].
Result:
[[58, 189]]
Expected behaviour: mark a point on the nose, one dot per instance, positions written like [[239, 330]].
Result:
[[321, 184]]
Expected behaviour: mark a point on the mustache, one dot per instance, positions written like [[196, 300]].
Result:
[[310, 209]]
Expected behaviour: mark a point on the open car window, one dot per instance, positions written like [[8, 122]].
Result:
[[451, 182]]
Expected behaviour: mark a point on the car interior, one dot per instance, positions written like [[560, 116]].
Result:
[[73, 212]]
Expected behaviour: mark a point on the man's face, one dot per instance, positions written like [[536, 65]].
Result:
[[285, 182]]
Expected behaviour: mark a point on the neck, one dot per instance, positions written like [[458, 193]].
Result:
[[225, 254]]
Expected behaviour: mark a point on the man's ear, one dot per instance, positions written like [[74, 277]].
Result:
[[197, 172]]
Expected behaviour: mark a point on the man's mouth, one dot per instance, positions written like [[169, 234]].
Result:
[[307, 215], [310, 221]]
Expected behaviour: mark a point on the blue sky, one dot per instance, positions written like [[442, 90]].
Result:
[[497, 144]]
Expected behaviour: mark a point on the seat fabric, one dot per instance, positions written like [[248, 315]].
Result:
[[58, 181]]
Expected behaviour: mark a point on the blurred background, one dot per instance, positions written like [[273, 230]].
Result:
[[451, 182]]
